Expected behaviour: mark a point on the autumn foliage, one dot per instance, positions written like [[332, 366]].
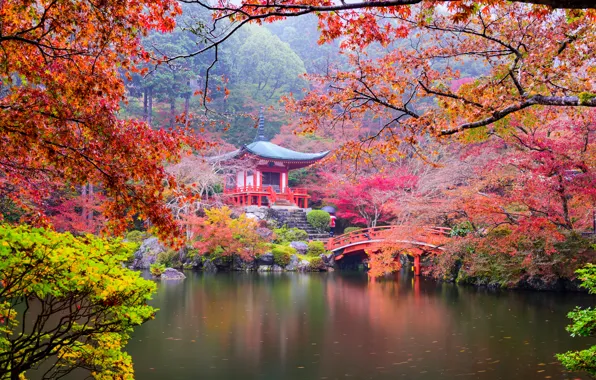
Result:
[[61, 91], [373, 198], [219, 234]]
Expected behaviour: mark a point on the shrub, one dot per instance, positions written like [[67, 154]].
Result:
[[316, 248], [135, 236], [43, 267], [288, 235], [461, 229], [319, 219], [219, 233], [169, 258], [282, 254], [347, 230], [317, 264], [134, 239], [584, 324], [157, 269]]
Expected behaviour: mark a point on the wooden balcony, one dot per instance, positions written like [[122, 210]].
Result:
[[267, 196]]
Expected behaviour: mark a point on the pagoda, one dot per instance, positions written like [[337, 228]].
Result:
[[264, 179]]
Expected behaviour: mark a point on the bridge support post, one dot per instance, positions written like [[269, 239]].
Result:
[[417, 265]]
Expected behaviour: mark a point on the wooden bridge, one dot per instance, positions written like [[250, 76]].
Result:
[[415, 241]]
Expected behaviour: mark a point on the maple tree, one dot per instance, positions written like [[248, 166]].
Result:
[[67, 302], [62, 87], [404, 60], [370, 200], [219, 234], [520, 217], [78, 213]]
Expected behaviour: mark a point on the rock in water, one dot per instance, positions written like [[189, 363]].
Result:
[[172, 274], [293, 265], [147, 253], [208, 266], [303, 266], [265, 259]]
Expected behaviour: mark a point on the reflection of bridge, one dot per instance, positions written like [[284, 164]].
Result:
[[415, 241]]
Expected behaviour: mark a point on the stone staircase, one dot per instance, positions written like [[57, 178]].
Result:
[[297, 219]]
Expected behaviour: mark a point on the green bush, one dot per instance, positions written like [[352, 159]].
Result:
[[157, 269], [282, 254], [316, 248], [169, 258], [287, 235], [134, 239], [317, 264], [584, 324], [136, 236], [347, 230], [43, 267], [319, 219], [461, 229]]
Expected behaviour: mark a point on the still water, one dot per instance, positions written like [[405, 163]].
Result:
[[341, 326]]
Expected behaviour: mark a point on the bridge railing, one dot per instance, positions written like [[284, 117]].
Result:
[[377, 234]]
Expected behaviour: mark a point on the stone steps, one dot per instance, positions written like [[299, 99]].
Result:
[[297, 219]]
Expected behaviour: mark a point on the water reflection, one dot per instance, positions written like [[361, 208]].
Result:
[[331, 326]]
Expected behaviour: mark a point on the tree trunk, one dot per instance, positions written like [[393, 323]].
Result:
[[90, 215], [186, 108], [145, 115], [172, 111], [85, 202], [150, 110]]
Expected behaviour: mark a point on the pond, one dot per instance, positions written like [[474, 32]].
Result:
[[341, 326]]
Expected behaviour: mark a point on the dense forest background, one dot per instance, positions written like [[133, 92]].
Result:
[[257, 67]]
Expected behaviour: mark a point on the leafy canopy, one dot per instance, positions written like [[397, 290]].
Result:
[[60, 73], [584, 324], [67, 301]]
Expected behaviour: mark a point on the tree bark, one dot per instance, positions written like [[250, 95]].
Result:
[[172, 111], [85, 202], [150, 110], [90, 215], [145, 115]]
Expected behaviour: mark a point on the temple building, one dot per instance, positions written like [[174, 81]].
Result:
[[263, 181]]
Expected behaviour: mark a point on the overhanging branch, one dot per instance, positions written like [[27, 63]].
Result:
[[556, 101]]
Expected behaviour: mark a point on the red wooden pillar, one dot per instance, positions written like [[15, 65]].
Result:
[[260, 200], [417, 265]]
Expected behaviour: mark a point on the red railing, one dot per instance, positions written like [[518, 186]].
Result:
[[380, 233], [247, 189], [297, 196]]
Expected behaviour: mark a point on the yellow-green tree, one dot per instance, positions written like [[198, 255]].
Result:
[[67, 302], [584, 324]]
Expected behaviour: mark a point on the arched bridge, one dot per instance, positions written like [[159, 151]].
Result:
[[416, 240]]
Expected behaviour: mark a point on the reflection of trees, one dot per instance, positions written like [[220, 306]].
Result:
[[268, 325]]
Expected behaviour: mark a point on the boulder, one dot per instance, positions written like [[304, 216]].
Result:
[[172, 274], [300, 247], [265, 233], [329, 260], [303, 266], [147, 253], [264, 268], [256, 212], [209, 267], [293, 265], [265, 259], [223, 263], [240, 265], [277, 268]]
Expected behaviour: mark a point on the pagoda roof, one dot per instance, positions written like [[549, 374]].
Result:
[[269, 150]]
